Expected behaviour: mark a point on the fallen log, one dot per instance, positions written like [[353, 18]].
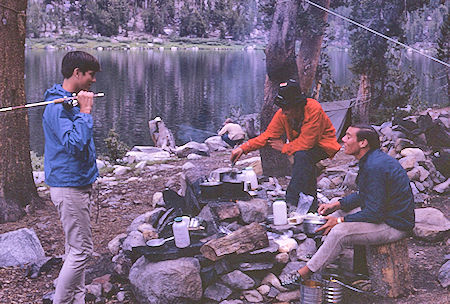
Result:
[[245, 239]]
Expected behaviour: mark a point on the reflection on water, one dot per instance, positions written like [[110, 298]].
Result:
[[192, 91]]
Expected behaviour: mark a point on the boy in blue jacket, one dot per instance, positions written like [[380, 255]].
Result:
[[70, 168]]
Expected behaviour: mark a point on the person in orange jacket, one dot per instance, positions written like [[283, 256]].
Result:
[[311, 138]]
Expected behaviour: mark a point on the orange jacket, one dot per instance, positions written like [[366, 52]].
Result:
[[317, 130]]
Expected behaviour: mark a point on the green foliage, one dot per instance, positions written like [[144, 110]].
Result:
[[443, 49], [116, 148], [157, 15], [106, 16], [192, 23]]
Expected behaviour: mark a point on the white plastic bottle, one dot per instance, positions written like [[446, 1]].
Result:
[[181, 233], [250, 176], [279, 212]]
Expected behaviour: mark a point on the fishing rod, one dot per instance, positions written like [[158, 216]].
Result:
[[69, 100]]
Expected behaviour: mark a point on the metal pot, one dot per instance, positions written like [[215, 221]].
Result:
[[234, 189], [211, 189], [311, 223]]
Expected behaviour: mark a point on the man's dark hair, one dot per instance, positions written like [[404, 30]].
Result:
[[367, 132], [78, 59]]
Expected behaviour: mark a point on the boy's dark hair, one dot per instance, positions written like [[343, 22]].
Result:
[[367, 132], [78, 59]]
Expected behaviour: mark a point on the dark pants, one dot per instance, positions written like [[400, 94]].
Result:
[[231, 142], [304, 176]]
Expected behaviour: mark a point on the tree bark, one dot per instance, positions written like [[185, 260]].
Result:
[[17, 188], [245, 239], [389, 269], [280, 62], [360, 111], [311, 45]]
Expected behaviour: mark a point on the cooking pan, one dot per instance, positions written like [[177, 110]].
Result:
[[211, 189], [234, 189]]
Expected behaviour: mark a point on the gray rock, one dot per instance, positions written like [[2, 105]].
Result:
[[443, 188], [419, 186], [94, 289], [194, 156], [149, 217], [141, 165], [413, 152], [350, 180], [264, 289], [115, 243], [273, 292], [408, 162], [288, 296], [158, 199], [414, 174], [325, 183], [402, 143], [238, 280], [232, 302], [192, 147], [217, 292], [134, 239], [20, 247], [255, 210], [253, 296], [215, 143], [121, 296], [171, 281], [306, 249], [187, 166], [121, 170], [444, 275], [431, 224]]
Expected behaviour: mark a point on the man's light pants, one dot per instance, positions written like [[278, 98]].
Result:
[[351, 233]]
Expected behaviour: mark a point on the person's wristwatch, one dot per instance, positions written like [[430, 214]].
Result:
[[340, 220]]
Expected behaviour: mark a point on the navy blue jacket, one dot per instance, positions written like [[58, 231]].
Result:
[[69, 156], [384, 193]]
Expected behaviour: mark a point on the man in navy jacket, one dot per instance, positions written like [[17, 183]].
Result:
[[70, 168], [384, 200]]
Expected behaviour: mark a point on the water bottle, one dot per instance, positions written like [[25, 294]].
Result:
[[279, 212], [250, 176], [181, 233]]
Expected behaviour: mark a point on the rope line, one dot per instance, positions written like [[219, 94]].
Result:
[[377, 33], [11, 9]]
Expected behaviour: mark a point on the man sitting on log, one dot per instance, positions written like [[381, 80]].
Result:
[[384, 202]]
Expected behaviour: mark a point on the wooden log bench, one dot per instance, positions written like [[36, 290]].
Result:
[[387, 266]]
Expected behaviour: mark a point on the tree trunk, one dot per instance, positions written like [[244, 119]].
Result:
[[280, 61], [311, 44], [360, 112], [17, 188], [389, 269]]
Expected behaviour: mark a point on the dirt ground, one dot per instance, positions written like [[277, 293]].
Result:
[[134, 197]]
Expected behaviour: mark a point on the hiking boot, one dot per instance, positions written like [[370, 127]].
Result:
[[291, 281]]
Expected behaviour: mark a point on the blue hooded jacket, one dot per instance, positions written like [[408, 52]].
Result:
[[69, 156]]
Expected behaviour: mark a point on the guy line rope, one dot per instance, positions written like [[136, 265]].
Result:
[[376, 33]]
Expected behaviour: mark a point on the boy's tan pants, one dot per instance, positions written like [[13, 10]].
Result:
[[73, 204]]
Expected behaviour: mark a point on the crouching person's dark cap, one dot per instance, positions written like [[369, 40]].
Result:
[[289, 94]]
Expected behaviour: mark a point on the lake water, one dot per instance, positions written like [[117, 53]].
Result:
[[192, 91]]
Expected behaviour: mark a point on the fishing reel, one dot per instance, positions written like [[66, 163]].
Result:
[[70, 102]]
